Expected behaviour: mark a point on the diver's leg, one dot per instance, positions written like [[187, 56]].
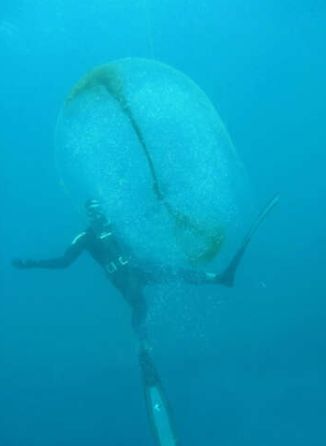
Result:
[[194, 277], [131, 287], [139, 319], [168, 275]]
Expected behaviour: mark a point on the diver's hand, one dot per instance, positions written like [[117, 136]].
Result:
[[23, 264]]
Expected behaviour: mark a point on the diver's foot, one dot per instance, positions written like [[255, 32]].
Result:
[[225, 279]]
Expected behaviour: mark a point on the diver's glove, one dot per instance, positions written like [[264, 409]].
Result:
[[24, 264]]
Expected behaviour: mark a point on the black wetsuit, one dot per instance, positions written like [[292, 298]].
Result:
[[125, 271], [120, 267]]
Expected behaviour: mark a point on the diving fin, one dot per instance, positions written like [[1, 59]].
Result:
[[228, 275], [158, 410]]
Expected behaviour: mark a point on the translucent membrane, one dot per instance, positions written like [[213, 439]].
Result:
[[145, 140]]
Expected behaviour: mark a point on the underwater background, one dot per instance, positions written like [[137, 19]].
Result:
[[241, 366]]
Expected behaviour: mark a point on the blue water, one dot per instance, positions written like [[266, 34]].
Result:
[[241, 366]]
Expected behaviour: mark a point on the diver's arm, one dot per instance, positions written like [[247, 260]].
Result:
[[72, 253]]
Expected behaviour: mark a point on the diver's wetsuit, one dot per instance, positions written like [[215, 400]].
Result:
[[120, 267]]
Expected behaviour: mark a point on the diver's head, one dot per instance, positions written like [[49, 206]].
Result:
[[95, 214]]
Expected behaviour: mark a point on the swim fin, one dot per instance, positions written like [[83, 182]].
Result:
[[227, 277], [159, 412]]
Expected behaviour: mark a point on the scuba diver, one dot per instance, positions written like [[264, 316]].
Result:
[[121, 266], [130, 278]]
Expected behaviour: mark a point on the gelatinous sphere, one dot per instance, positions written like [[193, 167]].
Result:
[[145, 140]]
